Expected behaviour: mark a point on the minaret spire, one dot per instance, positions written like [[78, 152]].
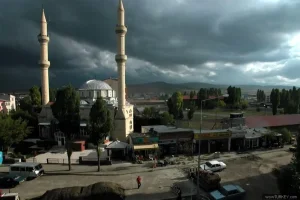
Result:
[[121, 58], [44, 63]]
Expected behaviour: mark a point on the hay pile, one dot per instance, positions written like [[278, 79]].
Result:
[[101, 190]]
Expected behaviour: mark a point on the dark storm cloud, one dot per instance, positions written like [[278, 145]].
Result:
[[167, 34]]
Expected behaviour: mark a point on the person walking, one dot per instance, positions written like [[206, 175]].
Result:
[[139, 181]]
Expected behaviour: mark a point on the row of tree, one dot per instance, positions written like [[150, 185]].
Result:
[[261, 96], [289, 100]]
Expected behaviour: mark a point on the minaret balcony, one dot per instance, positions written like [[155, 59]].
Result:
[[43, 38], [44, 63], [120, 29], [120, 58]]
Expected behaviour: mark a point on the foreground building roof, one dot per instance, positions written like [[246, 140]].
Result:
[[272, 121]]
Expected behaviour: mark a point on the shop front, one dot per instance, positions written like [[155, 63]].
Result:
[[238, 138], [213, 140], [252, 139], [176, 141], [143, 146]]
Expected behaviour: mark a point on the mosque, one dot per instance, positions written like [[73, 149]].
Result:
[[113, 91]]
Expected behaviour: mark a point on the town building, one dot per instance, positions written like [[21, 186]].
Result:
[[7, 103], [121, 110]]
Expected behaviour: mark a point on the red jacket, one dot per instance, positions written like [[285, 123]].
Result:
[[138, 179]]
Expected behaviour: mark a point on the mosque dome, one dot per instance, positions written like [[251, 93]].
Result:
[[95, 85]]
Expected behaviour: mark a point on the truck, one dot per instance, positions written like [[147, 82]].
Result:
[[208, 180]]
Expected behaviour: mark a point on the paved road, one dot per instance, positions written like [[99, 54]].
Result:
[[156, 184]]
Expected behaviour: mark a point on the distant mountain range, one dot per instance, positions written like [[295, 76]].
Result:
[[163, 87]]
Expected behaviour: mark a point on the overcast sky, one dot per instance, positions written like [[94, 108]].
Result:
[[214, 41]]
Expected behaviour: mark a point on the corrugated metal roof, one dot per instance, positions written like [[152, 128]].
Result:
[[272, 121]]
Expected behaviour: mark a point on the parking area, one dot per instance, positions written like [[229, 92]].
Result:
[[254, 175]]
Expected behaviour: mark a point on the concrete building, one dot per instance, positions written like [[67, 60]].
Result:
[[114, 84], [93, 89], [90, 90], [7, 103], [44, 63], [124, 117]]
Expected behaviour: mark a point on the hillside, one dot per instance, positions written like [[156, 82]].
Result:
[[158, 87]]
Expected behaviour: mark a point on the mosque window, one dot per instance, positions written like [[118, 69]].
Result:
[[130, 111], [130, 127], [130, 122], [90, 94]]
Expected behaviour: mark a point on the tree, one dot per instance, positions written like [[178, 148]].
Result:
[[190, 113], [177, 105], [147, 112], [288, 178], [221, 104], [275, 100], [35, 96], [12, 131], [244, 104], [166, 118], [66, 110], [100, 125], [52, 94], [30, 118], [286, 135], [26, 104], [260, 95], [170, 106]]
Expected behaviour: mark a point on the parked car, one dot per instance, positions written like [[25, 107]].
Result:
[[230, 191], [10, 196], [11, 181], [213, 166]]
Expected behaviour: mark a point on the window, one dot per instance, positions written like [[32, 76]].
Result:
[[208, 164], [29, 169], [90, 94], [130, 127], [130, 121], [15, 169], [38, 167], [22, 169]]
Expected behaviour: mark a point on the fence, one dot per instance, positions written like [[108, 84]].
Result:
[[61, 161]]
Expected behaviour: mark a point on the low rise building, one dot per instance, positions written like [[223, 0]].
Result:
[[7, 103]]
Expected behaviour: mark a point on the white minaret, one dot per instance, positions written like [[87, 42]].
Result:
[[44, 62], [121, 58]]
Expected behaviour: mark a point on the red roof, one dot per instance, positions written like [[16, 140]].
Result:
[[272, 120], [187, 97]]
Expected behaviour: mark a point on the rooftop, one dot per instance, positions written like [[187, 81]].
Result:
[[95, 85], [137, 135], [272, 121], [211, 131]]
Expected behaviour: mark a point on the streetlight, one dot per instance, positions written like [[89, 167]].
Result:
[[199, 141]]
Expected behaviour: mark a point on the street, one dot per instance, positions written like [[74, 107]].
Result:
[[253, 175]]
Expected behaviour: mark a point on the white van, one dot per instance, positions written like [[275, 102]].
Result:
[[30, 170]]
